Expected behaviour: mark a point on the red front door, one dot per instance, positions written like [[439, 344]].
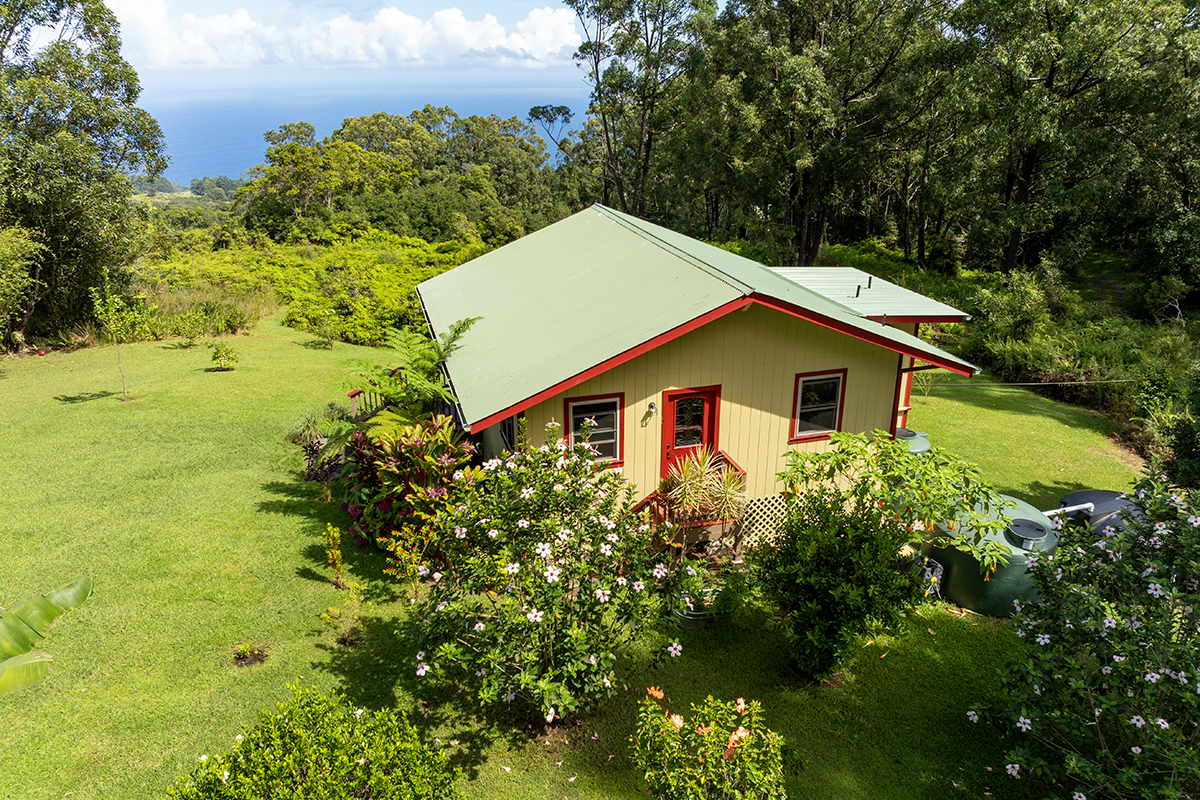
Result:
[[689, 422]]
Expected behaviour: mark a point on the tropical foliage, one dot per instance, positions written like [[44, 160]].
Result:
[[26, 625], [1105, 696]]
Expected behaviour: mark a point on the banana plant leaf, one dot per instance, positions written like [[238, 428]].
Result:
[[26, 625], [23, 670]]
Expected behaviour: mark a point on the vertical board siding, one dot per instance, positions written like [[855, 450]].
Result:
[[754, 356]]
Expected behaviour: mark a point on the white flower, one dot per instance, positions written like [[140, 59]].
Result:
[[203, 759], [621, 580], [522, 523], [1109, 531], [534, 616], [592, 660], [1118, 659], [675, 649], [238, 738], [1079, 796], [225, 776], [689, 570], [638, 586], [422, 570], [479, 627], [1160, 527], [543, 549], [513, 568], [358, 713], [459, 475], [1043, 638], [552, 574], [1137, 721], [1155, 542], [612, 537], [1137, 751], [491, 464], [441, 606], [971, 715], [606, 681], [1162, 723], [1096, 711], [1194, 521], [493, 533], [420, 655], [1024, 724], [1152, 677], [1155, 590], [558, 487], [550, 716], [460, 532], [527, 493], [660, 571], [437, 576], [606, 549], [1058, 573], [602, 595], [422, 668], [1106, 669], [564, 534], [1013, 769]]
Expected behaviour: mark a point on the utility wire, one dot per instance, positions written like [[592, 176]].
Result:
[[1058, 383]]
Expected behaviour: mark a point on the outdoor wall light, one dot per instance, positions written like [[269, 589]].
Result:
[[653, 407]]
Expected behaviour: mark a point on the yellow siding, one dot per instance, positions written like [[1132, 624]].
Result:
[[754, 355]]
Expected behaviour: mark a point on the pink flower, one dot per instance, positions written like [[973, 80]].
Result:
[[1162, 723], [675, 649], [1024, 724], [1013, 769], [1137, 721]]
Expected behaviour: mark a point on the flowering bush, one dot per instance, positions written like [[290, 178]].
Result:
[[722, 750], [317, 746], [1106, 696], [545, 574]]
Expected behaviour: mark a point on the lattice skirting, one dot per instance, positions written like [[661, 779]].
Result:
[[761, 516]]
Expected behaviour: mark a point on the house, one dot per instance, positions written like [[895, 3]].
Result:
[[669, 344]]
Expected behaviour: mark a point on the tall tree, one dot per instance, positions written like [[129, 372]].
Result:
[[70, 133], [1060, 94], [793, 99], [633, 57]]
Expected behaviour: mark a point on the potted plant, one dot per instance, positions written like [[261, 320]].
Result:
[[708, 591], [703, 496]]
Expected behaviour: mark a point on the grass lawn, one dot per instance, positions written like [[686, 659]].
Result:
[[1026, 446], [187, 507]]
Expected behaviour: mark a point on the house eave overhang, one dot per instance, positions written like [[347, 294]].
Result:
[[861, 332]]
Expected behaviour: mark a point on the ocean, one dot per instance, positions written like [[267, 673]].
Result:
[[214, 122]]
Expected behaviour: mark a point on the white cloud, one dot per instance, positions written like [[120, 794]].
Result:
[[154, 40]]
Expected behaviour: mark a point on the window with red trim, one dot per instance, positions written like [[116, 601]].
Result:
[[605, 415], [818, 406]]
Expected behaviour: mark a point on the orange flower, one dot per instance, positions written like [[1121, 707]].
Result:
[[705, 731], [677, 721], [740, 705], [655, 692], [729, 753]]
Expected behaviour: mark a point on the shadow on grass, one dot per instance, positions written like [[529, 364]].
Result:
[[178, 345], [1020, 401], [315, 344], [72, 399]]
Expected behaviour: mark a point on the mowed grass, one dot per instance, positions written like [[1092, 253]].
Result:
[[1026, 445], [187, 506]]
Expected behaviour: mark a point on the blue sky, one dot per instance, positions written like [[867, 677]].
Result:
[[218, 73]]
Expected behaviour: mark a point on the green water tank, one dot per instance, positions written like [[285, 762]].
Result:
[[917, 441], [1028, 531]]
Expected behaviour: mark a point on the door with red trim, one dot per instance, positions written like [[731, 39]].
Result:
[[689, 422]]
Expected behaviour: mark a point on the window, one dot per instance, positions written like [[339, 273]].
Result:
[[818, 408], [606, 414]]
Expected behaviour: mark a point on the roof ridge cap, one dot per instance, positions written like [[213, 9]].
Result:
[[716, 272]]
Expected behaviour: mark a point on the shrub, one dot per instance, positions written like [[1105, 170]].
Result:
[[544, 574], [316, 746], [224, 356], [1105, 698], [832, 568], [722, 750]]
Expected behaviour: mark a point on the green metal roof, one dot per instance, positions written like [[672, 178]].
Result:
[[587, 290], [870, 296]]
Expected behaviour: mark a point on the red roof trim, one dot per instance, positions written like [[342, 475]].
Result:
[[701, 321], [849, 330], [617, 360]]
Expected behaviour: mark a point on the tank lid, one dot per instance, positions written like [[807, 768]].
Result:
[[1026, 533]]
